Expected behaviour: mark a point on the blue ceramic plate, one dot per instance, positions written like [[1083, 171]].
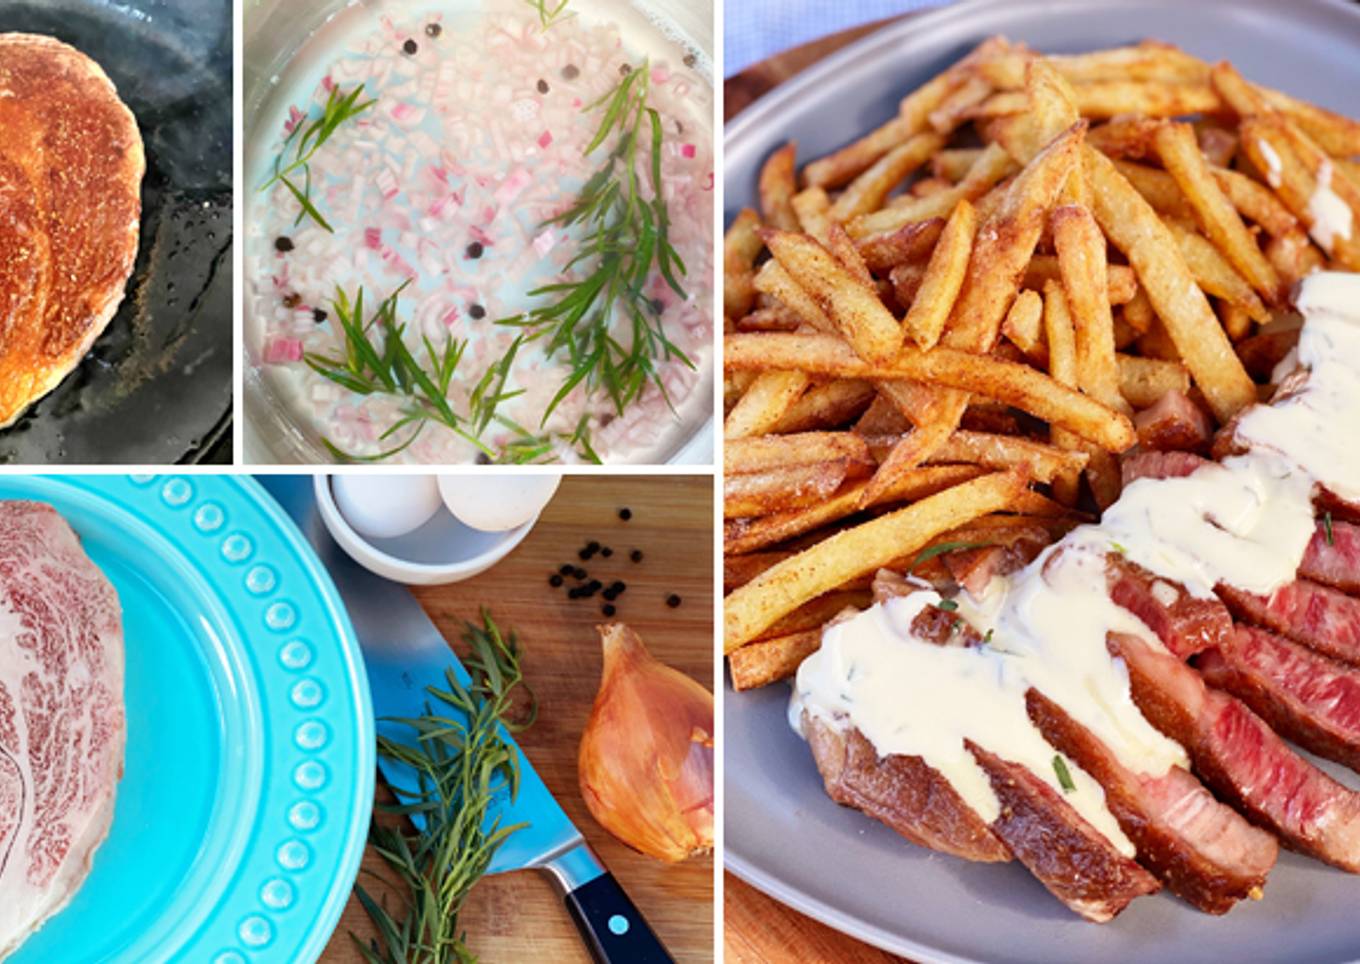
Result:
[[245, 800], [782, 832]]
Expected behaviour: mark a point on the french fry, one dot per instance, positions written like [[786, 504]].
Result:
[[846, 164], [741, 245], [943, 278], [868, 191], [1180, 154], [954, 109], [853, 306], [991, 451], [1133, 227], [774, 282], [965, 372], [787, 585], [1122, 282], [739, 570], [1294, 256], [759, 453], [1236, 321], [1124, 138], [927, 186], [906, 280], [1081, 259], [910, 451], [766, 401], [1024, 326], [1138, 312], [953, 164], [1256, 203], [812, 208], [1100, 99], [779, 489], [914, 242], [1214, 274], [1158, 188], [816, 613], [776, 317], [1147, 61], [1338, 136], [770, 660], [1145, 380], [844, 250], [1050, 109], [826, 406], [883, 417], [992, 166], [1062, 367], [777, 186], [1217, 144]]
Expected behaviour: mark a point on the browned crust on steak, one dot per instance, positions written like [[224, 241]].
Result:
[[71, 166], [904, 792], [1070, 857], [1212, 860]]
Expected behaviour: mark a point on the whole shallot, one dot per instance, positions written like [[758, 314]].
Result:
[[646, 760]]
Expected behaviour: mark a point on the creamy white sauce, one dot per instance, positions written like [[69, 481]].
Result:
[[1246, 521], [1329, 215]]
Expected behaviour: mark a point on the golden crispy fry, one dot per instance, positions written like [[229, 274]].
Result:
[[739, 570], [1124, 138], [1338, 136], [883, 417], [756, 454], [734, 386], [853, 306], [773, 317], [1122, 282], [868, 191], [1148, 61], [844, 165], [812, 208], [774, 282], [1081, 259], [1024, 326], [992, 451], [1294, 256], [1050, 109], [766, 401], [1180, 154], [767, 661], [910, 451], [1062, 367], [943, 278], [826, 406], [740, 247], [991, 166], [883, 252], [787, 585], [1138, 312], [1236, 321], [777, 185], [1255, 202], [953, 110], [1109, 98], [1158, 188], [814, 614], [928, 186], [1217, 144], [1214, 274], [1135, 229], [1017, 385], [906, 280], [1144, 380], [777, 490], [953, 164], [840, 245]]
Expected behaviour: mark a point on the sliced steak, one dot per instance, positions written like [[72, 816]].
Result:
[[1201, 849], [1333, 557], [1306, 612], [1184, 623], [904, 792], [1159, 465], [1304, 696], [1173, 423], [1242, 759], [1338, 508], [1070, 857], [974, 569], [61, 715]]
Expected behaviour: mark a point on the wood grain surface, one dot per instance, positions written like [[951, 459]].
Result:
[[757, 929], [518, 916]]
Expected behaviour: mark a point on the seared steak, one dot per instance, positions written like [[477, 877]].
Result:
[[1173, 423], [1334, 560], [1201, 849], [1306, 612], [1184, 623]]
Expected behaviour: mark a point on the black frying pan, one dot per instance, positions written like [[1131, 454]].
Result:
[[156, 387]]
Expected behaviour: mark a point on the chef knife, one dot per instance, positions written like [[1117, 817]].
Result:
[[404, 654]]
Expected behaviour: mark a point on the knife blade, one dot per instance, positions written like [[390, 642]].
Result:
[[404, 654]]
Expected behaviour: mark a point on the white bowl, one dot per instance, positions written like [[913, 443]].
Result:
[[441, 551]]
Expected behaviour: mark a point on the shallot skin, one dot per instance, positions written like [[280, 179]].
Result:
[[646, 757]]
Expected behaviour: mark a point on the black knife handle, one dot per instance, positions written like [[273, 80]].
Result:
[[613, 928]]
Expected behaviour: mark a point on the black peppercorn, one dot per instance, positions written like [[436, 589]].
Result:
[[283, 244], [690, 60], [542, 86], [475, 249], [672, 600], [606, 552], [625, 69], [625, 513], [571, 72], [433, 30], [567, 569], [635, 555], [483, 458], [555, 580], [410, 47], [477, 312], [608, 610], [318, 315]]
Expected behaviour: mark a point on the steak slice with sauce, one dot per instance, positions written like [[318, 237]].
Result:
[[1203, 850], [1159, 465], [1183, 622], [1173, 423], [904, 792], [1334, 561], [1304, 696], [1318, 617], [1242, 759], [1077, 864]]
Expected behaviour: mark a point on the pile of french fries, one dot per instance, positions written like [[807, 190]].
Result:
[[961, 311]]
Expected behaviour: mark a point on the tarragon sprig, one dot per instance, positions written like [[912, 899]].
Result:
[[338, 109], [464, 760], [626, 237], [550, 14]]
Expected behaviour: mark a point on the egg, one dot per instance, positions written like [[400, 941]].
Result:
[[386, 506], [495, 503]]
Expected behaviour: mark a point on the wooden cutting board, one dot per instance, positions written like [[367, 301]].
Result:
[[518, 916], [757, 929]]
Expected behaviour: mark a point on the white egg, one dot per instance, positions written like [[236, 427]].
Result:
[[386, 506], [495, 503]]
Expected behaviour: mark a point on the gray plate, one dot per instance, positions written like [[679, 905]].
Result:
[[782, 833]]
